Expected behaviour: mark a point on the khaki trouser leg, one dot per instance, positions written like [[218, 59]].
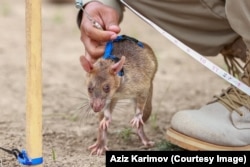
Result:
[[238, 13], [207, 27], [200, 24]]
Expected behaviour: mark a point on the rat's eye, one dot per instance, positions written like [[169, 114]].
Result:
[[106, 88], [90, 89]]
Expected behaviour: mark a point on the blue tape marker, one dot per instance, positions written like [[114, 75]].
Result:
[[24, 159]]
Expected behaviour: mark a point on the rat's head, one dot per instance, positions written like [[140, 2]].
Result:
[[102, 81]]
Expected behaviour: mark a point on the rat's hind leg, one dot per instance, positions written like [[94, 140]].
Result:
[[146, 114], [143, 112]]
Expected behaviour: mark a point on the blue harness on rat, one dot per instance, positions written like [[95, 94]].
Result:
[[109, 48]]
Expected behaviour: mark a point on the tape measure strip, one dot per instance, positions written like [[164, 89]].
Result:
[[204, 61]]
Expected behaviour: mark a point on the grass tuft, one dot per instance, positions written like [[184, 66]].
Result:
[[167, 146], [53, 154], [126, 133]]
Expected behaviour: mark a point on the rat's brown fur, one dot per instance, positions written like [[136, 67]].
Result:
[[137, 83]]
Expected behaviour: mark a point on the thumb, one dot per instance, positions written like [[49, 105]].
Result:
[[114, 28], [111, 22]]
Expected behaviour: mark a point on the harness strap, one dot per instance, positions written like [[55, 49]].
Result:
[[109, 49]]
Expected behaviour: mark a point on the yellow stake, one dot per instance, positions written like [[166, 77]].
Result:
[[34, 79]]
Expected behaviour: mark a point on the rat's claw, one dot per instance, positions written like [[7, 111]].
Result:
[[148, 143], [137, 121], [92, 146], [98, 149], [102, 150], [104, 124], [93, 151]]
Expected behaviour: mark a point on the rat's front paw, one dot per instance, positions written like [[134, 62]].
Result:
[[98, 148], [137, 121], [104, 124]]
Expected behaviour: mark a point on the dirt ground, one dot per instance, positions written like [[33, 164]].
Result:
[[180, 83]]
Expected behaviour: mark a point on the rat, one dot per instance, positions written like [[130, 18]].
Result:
[[127, 73]]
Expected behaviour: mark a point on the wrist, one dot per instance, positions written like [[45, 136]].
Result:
[[115, 4]]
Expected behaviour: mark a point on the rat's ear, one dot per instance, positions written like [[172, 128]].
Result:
[[115, 68], [87, 66]]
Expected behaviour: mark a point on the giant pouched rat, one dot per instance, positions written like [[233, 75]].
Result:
[[126, 71]]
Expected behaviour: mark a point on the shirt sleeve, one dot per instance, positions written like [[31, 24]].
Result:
[[116, 4]]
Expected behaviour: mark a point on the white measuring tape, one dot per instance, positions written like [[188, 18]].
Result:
[[211, 66]]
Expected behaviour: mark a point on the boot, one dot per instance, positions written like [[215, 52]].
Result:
[[223, 124]]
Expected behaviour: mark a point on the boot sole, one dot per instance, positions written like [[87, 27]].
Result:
[[193, 144]]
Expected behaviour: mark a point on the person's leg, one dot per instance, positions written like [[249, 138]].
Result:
[[199, 24], [238, 14], [209, 27], [225, 123]]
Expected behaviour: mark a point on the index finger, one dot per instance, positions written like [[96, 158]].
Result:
[[95, 33]]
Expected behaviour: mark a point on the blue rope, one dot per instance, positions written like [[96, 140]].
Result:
[[109, 48]]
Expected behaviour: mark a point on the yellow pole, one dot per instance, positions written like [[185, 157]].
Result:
[[34, 79]]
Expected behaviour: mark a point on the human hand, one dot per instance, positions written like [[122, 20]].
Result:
[[94, 39]]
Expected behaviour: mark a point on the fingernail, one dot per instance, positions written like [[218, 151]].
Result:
[[114, 36]]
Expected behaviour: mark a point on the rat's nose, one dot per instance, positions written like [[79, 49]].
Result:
[[97, 105]]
